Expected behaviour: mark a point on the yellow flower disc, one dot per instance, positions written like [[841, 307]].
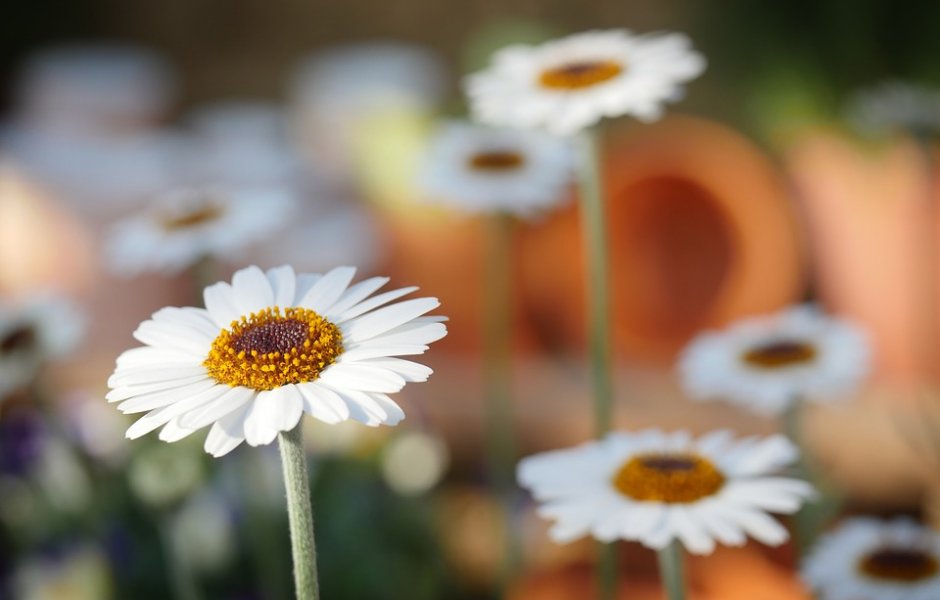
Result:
[[670, 478], [268, 349], [579, 75]]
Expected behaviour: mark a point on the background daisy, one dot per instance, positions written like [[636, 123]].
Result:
[[568, 84], [185, 225], [481, 169], [870, 559], [270, 347], [655, 487], [767, 363]]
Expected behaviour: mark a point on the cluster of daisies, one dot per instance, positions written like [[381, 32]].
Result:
[[271, 346]]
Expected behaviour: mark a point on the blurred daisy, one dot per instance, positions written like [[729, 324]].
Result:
[[653, 487], [183, 226], [270, 347], [31, 332], [869, 559], [768, 363], [566, 85], [897, 105], [481, 169]]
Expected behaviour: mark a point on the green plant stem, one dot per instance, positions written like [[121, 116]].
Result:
[[594, 231], [803, 521], [672, 570], [299, 513], [497, 334]]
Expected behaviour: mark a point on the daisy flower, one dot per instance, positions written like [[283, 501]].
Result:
[[33, 331], [767, 363], [896, 105], [481, 169], [269, 347], [185, 225], [870, 559], [566, 85], [655, 487]]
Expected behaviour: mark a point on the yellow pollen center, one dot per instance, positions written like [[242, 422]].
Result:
[[671, 478], [206, 213], [272, 348], [580, 75], [899, 564], [780, 354], [496, 161]]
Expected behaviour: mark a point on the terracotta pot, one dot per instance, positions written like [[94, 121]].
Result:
[[701, 232]]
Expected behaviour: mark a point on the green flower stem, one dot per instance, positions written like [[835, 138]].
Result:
[[299, 513], [497, 335], [594, 224], [927, 300], [672, 570]]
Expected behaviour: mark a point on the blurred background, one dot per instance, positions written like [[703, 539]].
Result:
[[761, 189]]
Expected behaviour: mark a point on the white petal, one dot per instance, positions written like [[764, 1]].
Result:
[[144, 375], [271, 412], [328, 289], [172, 432], [220, 302], [283, 284], [410, 371], [129, 391], [146, 402], [227, 433], [354, 294], [233, 398], [161, 416], [323, 403], [357, 376], [384, 319], [372, 303], [252, 291]]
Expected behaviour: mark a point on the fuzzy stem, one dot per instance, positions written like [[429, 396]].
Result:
[[497, 334], [594, 228], [299, 513], [672, 571]]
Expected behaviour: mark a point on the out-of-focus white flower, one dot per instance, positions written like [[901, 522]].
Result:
[[414, 462], [481, 169], [96, 428], [62, 477], [32, 331], [655, 487], [868, 559], [82, 573], [897, 105], [242, 143], [202, 534], [183, 226], [566, 85], [270, 347], [162, 475], [95, 89], [334, 95], [767, 363]]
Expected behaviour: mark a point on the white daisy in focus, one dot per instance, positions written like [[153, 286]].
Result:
[[768, 363], [186, 225], [896, 105], [569, 84], [269, 347], [32, 332], [482, 169], [655, 487], [870, 559]]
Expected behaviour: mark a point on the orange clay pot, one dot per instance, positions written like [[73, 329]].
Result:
[[701, 232], [871, 232], [728, 574]]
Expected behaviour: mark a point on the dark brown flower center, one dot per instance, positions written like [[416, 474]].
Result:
[[671, 478], [579, 75], [18, 339], [899, 564], [199, 215], [273, 336], [496, 160], [780, 353]]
